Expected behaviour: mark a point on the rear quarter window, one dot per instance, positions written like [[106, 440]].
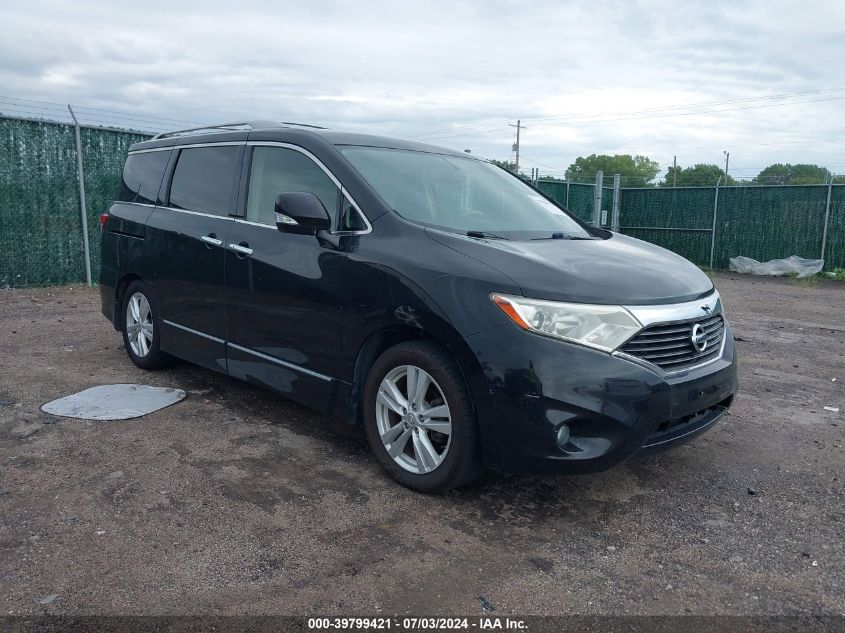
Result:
[[142, 176], [205, 180]]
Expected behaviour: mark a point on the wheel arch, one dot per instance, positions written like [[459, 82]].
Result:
[[388, 336], [119, 293]]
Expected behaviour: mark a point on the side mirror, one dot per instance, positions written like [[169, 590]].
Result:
[[302, 213]]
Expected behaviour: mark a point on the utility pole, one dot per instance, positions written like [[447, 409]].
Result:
[[674, 171], [597, 191], [83, 206], [826, 216], [518, 127], [727, 159]]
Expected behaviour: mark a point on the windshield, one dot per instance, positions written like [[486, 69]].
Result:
[[458, 194]]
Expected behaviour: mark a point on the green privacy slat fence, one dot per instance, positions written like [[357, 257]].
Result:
[[40, 225], [40, 239], [760, 222], [769, 222], [577, 197], [41, 230], [103, 154], [647, 213], [556, 191]]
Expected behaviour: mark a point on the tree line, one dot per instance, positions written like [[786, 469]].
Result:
[[641, 171]]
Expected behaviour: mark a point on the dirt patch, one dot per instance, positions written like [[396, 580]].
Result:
[[236, 501]]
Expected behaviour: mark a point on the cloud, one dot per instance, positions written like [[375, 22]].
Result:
[[455, 73]]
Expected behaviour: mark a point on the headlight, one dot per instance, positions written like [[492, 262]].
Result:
[[599, 326]]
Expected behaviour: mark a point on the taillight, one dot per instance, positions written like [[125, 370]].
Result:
[[104, 218]]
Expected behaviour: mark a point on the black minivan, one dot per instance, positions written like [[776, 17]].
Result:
[[458, 314]]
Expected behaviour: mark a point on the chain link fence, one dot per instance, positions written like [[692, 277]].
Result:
[[41, 239]]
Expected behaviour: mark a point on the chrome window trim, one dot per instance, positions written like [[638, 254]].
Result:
[[281, 362], [192, 331], [199, 213], [327, 171], [239, 220], [343, 192], [186, 146], [140, 204], [687, 311]]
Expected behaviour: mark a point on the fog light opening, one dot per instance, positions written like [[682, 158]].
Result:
[[563, 436]]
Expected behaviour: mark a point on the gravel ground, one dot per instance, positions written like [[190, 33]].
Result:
[[236, 501]]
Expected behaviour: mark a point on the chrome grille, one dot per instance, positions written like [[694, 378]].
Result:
[[669, 346]]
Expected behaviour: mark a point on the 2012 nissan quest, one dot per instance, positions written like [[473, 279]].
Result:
[[458, 314]]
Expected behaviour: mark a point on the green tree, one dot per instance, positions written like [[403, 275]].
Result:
[[636, 171], [553, 178], [787, 174], [504, 164], [699, 175]]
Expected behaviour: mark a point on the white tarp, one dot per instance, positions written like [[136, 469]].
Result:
[[777, 267], [114, 402]]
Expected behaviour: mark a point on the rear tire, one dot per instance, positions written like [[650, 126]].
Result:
[[419, 419], [141, 328]]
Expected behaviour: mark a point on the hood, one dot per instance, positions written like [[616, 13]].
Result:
[[618, 270]]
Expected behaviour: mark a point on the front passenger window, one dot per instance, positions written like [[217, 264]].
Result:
[[278, 170]]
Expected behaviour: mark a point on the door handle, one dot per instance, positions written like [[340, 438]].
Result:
[[242, 248], [211, 239]]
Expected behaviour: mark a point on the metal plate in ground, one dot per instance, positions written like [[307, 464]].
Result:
[[114, 402]]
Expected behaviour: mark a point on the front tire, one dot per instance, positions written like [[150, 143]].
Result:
[[419, 419], [141, 336]]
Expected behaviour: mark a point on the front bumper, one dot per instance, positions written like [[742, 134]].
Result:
[[526, 387]]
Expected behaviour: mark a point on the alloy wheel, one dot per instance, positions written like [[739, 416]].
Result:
[[139, 324], [413, 419]]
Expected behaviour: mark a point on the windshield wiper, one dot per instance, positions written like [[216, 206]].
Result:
[[564, 236], [483, 234]]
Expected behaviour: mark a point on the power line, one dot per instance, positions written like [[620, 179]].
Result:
[[664, 115], [700, 105], [536, 162], [647, 111], [754, 107]]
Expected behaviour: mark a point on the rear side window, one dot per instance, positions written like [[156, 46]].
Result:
[[278, 170], [204, 180], [142, 175]]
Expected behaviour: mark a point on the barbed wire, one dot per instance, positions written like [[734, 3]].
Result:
[[48, 111]]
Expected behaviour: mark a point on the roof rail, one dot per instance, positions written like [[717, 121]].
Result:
[[230, 127]]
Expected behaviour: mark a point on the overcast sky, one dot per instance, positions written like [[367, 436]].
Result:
[[585, 77]]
